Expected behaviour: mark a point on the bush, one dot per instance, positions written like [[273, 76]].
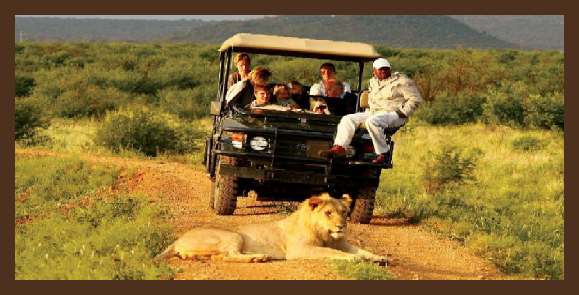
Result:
[[89, 101], [29, 117], [24, 85], [187, 104], [546, 111], [452, 110], [527, 143], [451, 165], [147, 132], [504, 108]]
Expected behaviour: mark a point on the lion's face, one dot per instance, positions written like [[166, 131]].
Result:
[[329, 215]]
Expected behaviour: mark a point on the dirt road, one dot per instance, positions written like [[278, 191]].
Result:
[[416, 253]]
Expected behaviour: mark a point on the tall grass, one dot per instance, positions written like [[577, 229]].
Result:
[[67, 230], [511, 211]]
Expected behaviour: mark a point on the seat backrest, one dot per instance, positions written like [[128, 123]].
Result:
[[364, 100]]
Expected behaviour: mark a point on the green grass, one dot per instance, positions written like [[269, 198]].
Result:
[[77, 136], [359, 270], [68, 227], [510, 212], [72, 135], [509, 208], [45, 184]]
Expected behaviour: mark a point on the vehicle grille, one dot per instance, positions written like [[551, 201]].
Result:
[[307, 148]]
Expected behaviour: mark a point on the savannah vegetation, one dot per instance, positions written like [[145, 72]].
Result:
[[481, 162], [70, 226]]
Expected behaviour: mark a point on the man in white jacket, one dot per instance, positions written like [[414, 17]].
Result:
[[392, 99]]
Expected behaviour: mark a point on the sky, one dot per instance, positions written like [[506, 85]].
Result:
[[158, 17]]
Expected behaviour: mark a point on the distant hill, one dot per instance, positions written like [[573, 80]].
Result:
[[529, 31], [397, 31], [53, 28]]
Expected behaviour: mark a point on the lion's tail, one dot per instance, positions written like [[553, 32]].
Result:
[[168, 253]]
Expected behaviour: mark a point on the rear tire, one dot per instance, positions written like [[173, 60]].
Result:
[[363, 206], [212, 195], [225, 190]]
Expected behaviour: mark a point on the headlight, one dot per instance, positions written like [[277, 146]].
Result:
[[258, 143], [237, 140]]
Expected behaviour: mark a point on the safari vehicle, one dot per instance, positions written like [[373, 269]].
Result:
[[283, 155]]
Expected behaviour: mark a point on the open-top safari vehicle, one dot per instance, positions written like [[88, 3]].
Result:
[[282, 155]]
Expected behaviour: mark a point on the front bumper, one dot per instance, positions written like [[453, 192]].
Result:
[[329, 172]]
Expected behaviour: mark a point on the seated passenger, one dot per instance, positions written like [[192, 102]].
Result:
[[299, 94], [262, 96], [282, 96], [334, 88], [328, 73], [242, 92], [243, 64], [318, 105]]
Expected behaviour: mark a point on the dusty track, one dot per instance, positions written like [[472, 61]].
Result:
[[416, 253]]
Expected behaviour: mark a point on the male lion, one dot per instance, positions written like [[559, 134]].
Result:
[[315, 230]]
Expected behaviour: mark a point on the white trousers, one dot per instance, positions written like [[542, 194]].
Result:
[[374, 123]]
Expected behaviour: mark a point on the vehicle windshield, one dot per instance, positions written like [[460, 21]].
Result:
[[307, 89], [318, 105]]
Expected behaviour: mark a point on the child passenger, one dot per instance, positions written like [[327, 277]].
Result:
[[283, 98]]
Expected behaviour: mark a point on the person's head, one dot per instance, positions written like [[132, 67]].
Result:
[[243, 63], [261, 93], [296, 88], [259, 76], [334, 88], [281, 91], [318, 105], [327, 71], [381, 69]]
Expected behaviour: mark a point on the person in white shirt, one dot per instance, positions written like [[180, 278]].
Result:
[[328, 73]]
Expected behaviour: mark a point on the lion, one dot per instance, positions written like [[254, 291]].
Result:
[[316, 230]]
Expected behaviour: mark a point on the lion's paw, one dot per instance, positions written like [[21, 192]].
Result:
[[260, 258]]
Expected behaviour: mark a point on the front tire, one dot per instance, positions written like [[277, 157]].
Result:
[[363, 206], [225, 190]]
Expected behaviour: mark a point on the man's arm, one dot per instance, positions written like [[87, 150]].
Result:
[[412, 96]]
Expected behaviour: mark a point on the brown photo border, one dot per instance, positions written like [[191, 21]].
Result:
[[360, 7]]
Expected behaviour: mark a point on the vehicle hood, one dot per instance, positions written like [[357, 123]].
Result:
[[272, 121]]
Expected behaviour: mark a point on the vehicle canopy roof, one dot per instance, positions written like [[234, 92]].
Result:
[[302, 47]]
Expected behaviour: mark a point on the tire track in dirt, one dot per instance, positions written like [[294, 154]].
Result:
[[185, 189]]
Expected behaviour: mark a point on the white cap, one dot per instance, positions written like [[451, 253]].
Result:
[[381, 63]]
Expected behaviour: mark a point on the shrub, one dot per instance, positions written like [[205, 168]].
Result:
[[527, 143], [545, 111], [452, 109], [145, 131], [504, 108], [24, 85], [29, 117], [89, 101], [188, 104], [451, 165]]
